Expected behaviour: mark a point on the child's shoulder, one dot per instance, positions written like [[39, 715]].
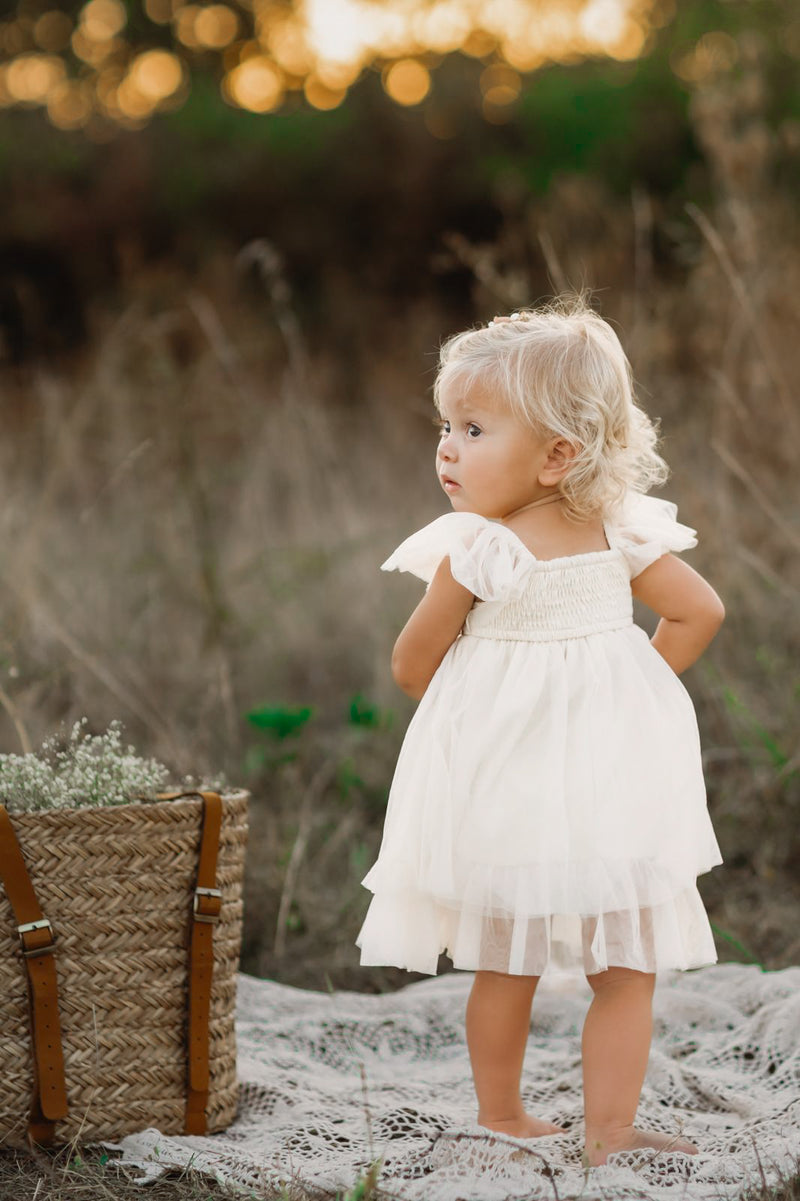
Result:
[[485, 556], [646, 527]]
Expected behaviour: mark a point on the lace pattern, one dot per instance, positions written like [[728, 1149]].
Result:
[[330, 1082]]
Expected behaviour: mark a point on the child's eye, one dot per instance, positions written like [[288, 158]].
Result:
[[441, 427]]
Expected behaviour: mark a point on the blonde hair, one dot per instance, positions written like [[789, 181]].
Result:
[[561, 370]]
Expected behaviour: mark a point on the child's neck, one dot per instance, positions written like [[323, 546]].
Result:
[[545, 500]]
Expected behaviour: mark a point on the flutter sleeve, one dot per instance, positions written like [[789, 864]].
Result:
[[645, 528], [486, 557]]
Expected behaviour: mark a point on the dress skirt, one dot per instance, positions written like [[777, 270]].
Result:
[[548, 806]]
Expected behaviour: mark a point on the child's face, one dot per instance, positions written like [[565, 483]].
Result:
[[498, 464]]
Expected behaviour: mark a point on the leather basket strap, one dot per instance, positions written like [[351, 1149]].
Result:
[[206, 907], [38, 948]]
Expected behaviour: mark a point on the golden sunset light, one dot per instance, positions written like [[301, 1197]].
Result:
[[316, 49]]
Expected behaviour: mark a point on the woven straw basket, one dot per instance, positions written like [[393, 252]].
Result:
[[137, 982]]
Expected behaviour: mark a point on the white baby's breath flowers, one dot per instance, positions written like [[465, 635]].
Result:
[[91, 769]]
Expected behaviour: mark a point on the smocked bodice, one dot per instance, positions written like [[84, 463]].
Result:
[[519, 596], [568, 597]]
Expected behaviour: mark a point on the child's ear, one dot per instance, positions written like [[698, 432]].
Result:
[[559, 460]]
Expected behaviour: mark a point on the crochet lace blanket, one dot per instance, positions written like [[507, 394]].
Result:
[[331, 1083]]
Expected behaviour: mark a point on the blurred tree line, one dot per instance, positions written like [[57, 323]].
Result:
[[363, 192]]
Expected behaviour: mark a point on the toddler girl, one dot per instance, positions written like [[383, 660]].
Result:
[[548, 806]]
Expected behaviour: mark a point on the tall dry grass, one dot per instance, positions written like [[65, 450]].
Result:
[[194, 517]]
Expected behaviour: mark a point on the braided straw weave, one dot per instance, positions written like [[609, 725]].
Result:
[[117, 885]]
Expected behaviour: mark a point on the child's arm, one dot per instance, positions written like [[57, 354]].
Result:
[[690, 610], [430, 631]]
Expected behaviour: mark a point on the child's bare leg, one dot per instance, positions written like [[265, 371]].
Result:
[[498, 1021], [616, 1044]]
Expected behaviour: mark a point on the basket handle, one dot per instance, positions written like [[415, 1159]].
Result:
[[38, 946], [206, 907]]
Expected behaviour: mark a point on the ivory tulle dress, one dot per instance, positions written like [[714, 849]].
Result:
[[548, 807]]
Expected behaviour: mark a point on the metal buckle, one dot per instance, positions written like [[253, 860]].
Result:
[[210, 918], [40, 925]]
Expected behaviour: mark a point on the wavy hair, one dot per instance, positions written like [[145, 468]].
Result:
[[561, 371]]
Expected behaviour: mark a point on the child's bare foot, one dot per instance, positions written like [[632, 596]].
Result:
[[628, 1138], [523, 1126]]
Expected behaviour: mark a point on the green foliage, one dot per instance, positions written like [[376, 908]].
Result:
[[350, 785], [364, 1188], [294, 920], [359, 858], [753, 732], [278, 720], [362, 713], [734, 942], [599, 118], [282, 723], [347, 778]]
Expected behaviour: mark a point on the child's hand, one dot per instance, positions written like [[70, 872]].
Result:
[[689, 608]]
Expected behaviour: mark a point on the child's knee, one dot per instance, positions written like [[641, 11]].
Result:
[[505, 982], [622, 978], [509, 977]]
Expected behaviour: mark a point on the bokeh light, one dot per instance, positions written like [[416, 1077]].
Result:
[[320, 96], [256, 84], [407, 81], [602, 21], [92, 50], [131, 102], [285, 41], [714, 53], [30, 77], [441, 28], [631, 43], [184, 25], [216, 26], [315, 49], [500, 84], [69, 105], [156, 74], [52, 31], [160, 11], [101, 19]]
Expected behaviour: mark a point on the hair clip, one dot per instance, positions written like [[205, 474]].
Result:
[[511, 317]]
